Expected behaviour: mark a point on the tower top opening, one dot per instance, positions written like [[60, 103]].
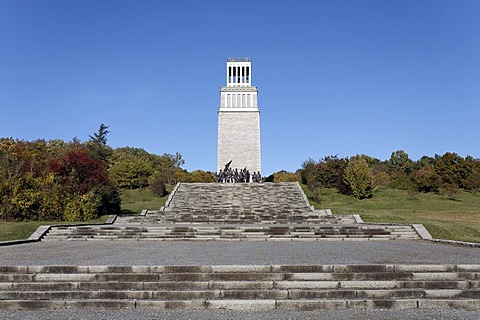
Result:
[[239, 72]]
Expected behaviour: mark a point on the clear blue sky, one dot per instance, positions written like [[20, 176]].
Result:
[[334, 77]]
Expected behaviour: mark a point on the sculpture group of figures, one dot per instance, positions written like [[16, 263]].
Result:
[[229, 175]]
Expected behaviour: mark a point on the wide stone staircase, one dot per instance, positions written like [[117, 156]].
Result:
[[235, 233], [244, 287], [236, 212]]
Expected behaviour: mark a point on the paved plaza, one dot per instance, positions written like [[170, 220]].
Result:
[[235, 253], [239, 253]]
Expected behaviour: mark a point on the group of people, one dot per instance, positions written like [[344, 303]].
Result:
[[229, 175]]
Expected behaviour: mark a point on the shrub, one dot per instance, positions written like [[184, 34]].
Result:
[[427, 180], [359, 178], [158, 188], [401, 181], [285, 176], [82, 208], [317, 193]]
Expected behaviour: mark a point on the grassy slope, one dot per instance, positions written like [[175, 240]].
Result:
[[23, 230], [454, 217], [134, 201]]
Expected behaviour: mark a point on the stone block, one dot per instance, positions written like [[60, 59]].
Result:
[[68, 277], [425, 268], [183, 285], [311, 305], [100, 304], [109, 285], [382, 304], [468, 268], [254, 294], [188, 269], [13, 269], [186, 295], [306, 284], [119, 295], [363, 268], [452, 294], [438, 284], [391, 294], [31, 305], [7, 286], [57, 269], [429, 276], [171, 305], [371, 284], [245, 305], [45, 286], [466, 304], [321, 294], [241, 268], [126, 277], [241, 285], [303, 268]]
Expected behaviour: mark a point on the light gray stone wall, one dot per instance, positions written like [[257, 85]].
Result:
[[239, 140]]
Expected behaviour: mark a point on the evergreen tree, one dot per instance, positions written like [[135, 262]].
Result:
[[100, 137]]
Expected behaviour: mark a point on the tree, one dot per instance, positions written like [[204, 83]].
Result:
[[131, 167], [78, 173], [330, 171], [427, 180], [158, 188], [399, 167], [97, 146], [400, 162], [472, 181], [285, 176], [453, 169], [309, 172], [359, 177], [100, 136], [168, 165], [201, 176]]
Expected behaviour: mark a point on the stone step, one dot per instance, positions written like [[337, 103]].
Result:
[[247, 305], [240, 232], [239, 285], [244, 294], [294, 287], [225, 198]]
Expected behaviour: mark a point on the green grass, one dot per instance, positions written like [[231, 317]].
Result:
[[22, 230], [134, 201], [454, 217]]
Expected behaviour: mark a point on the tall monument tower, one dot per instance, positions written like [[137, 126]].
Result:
[[239, 119]]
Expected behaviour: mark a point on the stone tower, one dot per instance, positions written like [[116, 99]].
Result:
[[239, 119]]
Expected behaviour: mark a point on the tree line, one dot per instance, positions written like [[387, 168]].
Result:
[[79, 181], [361, 175]]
